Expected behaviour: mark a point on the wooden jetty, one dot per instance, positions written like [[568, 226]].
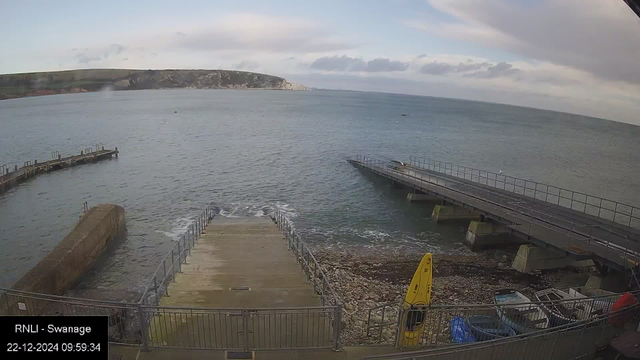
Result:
[[30, 169]]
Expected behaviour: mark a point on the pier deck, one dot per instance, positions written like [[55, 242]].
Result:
[[585, 234], [252, 292], [240, 253], [9, 178]]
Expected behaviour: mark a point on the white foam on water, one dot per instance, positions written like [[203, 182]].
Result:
[[373, 239], [240, 210], [179, 228]]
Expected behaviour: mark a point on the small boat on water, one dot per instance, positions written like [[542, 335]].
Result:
[[517, 312], [485, 327], [563, 312]]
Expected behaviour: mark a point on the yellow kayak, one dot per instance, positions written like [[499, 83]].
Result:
[[416, 301]]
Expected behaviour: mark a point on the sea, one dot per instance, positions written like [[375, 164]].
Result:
[[248, 152]]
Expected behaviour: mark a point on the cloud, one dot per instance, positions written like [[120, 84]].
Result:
[[117, 48], [246, 65], [383, 65], [180, 33], [345, 63], [339, 63], [83, 59], [253, 32], [497, 70], [442, 68], [113, 49], [436, 68], [600, 37], [471, 66]]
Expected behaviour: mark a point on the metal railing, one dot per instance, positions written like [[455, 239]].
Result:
[[124, 318], [434, 322], [172, 262], [615, 211], [313, 270], [382, 322], [241, 329], [573, 340], [616, 246], [149, 325]]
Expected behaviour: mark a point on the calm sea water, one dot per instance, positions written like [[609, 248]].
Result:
[[251, 151]]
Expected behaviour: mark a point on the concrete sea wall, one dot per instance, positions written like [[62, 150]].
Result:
[[71, 258]]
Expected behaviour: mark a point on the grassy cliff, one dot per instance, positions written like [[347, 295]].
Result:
[[61, 82]]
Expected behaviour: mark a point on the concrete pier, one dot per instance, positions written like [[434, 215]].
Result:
[[251, 291], [241, 262], [483, 235], [571, 223], [98, 228], [450, 213], [531, 257]]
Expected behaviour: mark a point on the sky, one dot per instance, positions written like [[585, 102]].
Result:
[[578, 56]]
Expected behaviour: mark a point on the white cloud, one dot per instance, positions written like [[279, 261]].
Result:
[[246, 65], [346, 63], [601, 37], [259, 33]]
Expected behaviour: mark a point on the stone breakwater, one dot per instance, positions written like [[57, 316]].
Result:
[[364, 279]]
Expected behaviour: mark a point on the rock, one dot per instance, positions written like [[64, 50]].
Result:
[[468, 279]]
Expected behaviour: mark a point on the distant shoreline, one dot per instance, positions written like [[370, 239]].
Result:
[[124, 90], [13, 86]]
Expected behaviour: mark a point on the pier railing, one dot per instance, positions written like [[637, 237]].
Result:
[[615, 211], [616, 246], [172, 262], [314, 271]]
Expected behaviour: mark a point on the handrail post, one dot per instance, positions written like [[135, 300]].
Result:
[[324, 290], [186, 246], [173, 266], [179, 258], [155, 286], [143, 328], [336, 326]]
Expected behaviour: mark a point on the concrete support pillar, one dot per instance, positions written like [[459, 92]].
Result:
[[482, 235], [614, 282], [450, 212], [421, 197], [531, 257]]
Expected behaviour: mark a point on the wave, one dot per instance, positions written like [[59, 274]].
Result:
[[243, 209], [178, 228], [180, 225], [380, 240]]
